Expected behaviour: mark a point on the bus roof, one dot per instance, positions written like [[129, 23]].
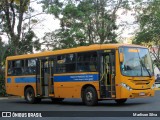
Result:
[[73, 50]]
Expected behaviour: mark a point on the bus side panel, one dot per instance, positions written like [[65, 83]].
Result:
[[72, 89], [118, 77], [70, 85], [15, 85]]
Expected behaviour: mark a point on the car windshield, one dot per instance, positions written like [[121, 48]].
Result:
[[136, 62]]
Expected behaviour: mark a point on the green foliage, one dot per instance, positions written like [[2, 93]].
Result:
[[3, 53], [18, 26], [54, 9], [2, 85], [149, 34], [85, 22], [26, 44], [149, 21]]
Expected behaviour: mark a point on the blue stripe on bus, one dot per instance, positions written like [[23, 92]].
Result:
[[66, 78], [25, 80], [8, 80], [76, 78]]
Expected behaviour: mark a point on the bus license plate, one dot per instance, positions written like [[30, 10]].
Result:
[[141, 93]]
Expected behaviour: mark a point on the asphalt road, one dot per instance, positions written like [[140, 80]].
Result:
[[140, 104]]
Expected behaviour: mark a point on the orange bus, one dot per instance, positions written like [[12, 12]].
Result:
[[96, 72]]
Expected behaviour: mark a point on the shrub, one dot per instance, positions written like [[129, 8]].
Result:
[[2, 85]]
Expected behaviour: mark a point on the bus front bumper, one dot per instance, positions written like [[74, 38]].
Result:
[[137, 93]]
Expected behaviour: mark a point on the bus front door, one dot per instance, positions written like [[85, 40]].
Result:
[[107, 80], [44, 76]]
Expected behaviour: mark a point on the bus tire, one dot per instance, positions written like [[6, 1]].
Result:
[[90, 96], [120, 101], [30, 96], [56, 100]]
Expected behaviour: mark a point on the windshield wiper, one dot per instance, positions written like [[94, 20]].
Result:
[[143, 65]]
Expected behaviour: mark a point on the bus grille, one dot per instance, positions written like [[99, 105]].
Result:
[[141, 82]]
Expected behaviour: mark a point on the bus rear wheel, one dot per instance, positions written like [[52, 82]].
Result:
[[90, 97], [120, 101], [30, 96]]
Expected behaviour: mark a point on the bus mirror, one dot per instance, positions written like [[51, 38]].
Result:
[[121, 57]]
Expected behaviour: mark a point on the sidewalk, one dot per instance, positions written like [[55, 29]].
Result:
[[157, 87], [3, 98], [10, 97]]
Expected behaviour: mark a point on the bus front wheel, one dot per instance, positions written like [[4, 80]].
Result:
[[120, 101], [30, 96], [90, 96]]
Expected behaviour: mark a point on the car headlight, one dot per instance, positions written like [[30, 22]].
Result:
[[126, 86]]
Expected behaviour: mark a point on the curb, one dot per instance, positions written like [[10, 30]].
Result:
[[3, 98], [10, 97]]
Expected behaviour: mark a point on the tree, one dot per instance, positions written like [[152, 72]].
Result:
[[85, 22], [3, 54], [149, 33], [52, 40], [16, 23]]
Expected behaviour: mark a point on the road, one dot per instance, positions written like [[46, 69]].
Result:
[[140, 104]]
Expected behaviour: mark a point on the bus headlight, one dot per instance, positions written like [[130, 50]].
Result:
[[126, 86]]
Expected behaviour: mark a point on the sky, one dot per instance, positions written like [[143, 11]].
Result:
[[129, 19], [48, 24]]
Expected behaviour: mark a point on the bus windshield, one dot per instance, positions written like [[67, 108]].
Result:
[[136, 62]]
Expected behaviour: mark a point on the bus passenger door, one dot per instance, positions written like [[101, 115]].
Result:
[[44, 77], [107, 73]]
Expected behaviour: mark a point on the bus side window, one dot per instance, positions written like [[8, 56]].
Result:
[[66, 63], [70, 58], [60, 67], [70, 63], [10, 69], [30, 66], [17, 67], [87, 62]]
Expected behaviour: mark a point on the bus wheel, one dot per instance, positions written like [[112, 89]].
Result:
[[30, 95], [90, 97], [56, 100], [121, 101]]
